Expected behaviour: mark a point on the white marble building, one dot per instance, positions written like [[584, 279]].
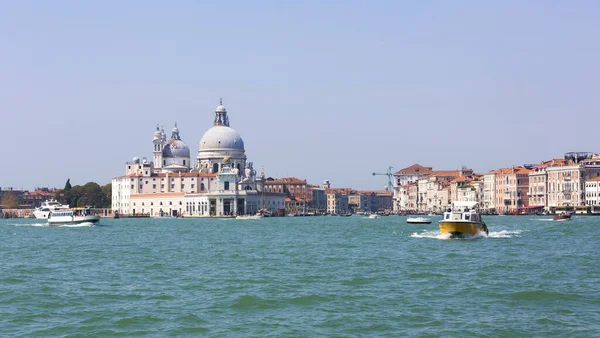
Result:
[[220, 184]]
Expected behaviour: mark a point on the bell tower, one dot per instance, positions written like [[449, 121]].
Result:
[[157, 142]]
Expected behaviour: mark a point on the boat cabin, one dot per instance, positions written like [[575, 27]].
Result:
[[463, 211]]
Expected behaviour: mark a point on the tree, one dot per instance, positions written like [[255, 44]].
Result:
[[66, 194], [107, 192], [67, 185], [10, 200]]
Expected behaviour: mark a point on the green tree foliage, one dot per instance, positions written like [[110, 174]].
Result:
[[68, 185], [10, 200], [65, 198], [107, 191], [89, 194]]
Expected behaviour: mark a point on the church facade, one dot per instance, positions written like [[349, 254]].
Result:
[[221, 183]]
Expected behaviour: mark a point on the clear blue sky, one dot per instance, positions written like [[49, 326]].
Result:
[[317, 89]]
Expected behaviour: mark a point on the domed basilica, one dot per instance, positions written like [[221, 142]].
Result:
[[221, 183], [217, 143]]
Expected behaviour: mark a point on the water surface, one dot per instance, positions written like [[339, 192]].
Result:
[[299, 276]]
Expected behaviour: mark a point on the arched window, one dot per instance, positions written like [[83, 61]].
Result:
[[238, 168], [183, 162], [201, 186], [215, 168]]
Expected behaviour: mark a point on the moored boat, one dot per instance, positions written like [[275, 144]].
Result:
[[72, 216], [463, 219], [373, 216], [418, 220], [44, 210]]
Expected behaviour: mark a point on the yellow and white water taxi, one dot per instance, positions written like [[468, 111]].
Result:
[[463, 220]]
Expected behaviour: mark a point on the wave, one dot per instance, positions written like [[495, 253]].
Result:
[[430, 234], [492, 234], [506, 233], [79, 225], [29, 224]]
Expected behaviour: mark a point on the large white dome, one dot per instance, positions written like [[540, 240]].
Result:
[[221, 137]]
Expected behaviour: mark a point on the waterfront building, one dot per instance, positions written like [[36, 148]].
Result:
[[337, 200], [435, 191], [318, 200], [512, 187], [468, 189], [297, 195], [566, 180], [221, 183], [39, 195], [402, 178], [489, 192], [360, 201], [538, 183], [381, 200], [413, 196], [592, 193]]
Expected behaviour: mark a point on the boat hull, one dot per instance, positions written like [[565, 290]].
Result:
[[73, 220], [462, 229]]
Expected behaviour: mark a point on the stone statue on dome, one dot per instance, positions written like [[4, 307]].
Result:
[[248, 170]]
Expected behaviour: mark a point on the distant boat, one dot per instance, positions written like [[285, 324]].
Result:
[[346, 214], [561, 217], [373, 216], [418, 220], [257, 216], [72, 216]]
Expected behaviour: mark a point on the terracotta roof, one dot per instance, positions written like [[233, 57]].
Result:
[[415, 169], [462, 179], [595, 179], [338, 190], [445, 173]]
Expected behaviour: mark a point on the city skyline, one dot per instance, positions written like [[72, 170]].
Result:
[[336, 91]]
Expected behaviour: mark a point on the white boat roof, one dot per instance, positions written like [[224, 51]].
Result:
[[463, 204]]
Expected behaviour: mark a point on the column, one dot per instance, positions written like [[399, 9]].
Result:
[[234, 213]]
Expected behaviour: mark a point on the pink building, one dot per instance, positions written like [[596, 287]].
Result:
[[512, 187]]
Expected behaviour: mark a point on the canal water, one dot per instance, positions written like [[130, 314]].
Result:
[[299, 277]]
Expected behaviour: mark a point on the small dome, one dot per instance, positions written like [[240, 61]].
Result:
[[175, 148], [221, 109], [221, 137]]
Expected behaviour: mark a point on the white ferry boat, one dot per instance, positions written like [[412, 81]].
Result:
[[48, 206], [72, 216]]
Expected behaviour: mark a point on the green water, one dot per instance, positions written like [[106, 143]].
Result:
[[299, 277]]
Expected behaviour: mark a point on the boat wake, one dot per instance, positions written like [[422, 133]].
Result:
[[492, 234], [84, 224], [430, 234], [30, 224]]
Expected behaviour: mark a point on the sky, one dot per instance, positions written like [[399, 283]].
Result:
[[317, 89]]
